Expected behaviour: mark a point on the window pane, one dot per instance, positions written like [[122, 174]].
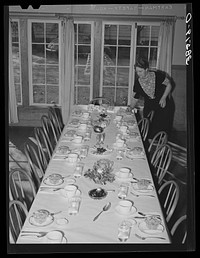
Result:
[[52, 94], [83, 76], [52, 57], [109, 76], [15, 53], [83, 55], [123, 56], [52, 32], [110, 56], [121, 96], [143, 33], [15, 32], [83, 95], [122, 76], [52, 74], [110, 35], [109, 94], [16, 70], [153, 57], [18, 92], [84, 33], [154, 35], [124, 35], [142, 52], [38, 54], [38, 74], [38, 94], [37, 32]]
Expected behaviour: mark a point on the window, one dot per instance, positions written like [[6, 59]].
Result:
[[16, 60], [147, 43], [83, 62], [44, 46]]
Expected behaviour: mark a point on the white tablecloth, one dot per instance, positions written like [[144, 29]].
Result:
[[81, 227]]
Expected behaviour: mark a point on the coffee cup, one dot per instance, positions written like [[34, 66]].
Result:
[[119, 142], [54, 236], [69, 191], [85, 115], [72, 157], [125, 206], [118, 118], [83, 126], [124, 172], [78, 139], [123, 128]]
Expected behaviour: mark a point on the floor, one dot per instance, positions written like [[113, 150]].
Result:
[[18, 135]]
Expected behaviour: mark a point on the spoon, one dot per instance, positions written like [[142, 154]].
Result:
[[105, 208], [143, 238]]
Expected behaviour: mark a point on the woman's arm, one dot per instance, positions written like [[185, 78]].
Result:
[[133, 101], [162, 101]]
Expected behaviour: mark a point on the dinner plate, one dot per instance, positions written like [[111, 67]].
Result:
[[149, 188], [132, 211], [119, 178], [63, 150], [44, 240], [143, 227], [48, 221], [46, 181]]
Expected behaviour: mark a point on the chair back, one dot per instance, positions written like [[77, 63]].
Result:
[[159, 139], [179, 230], [143, 125], [49, 130], [161, 160], [150, 115], [17, 216], [21, 187], [169, 196], [56, 116]]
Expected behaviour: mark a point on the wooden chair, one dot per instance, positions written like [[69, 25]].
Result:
[[159, 139], [49, 130], [150, 115], [143, 126], [169, 196], [179, 230], [17, 216], [56, 116], [22, 187], [160, 162]]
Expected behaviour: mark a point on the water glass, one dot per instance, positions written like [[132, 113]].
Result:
[[124, 230], [74, 205], [123, 190], [78, 170]]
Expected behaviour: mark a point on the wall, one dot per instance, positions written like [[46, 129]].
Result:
[[178, 61]]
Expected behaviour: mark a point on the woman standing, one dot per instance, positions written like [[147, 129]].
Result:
[[155, 87]]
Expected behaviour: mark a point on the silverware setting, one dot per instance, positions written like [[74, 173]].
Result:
[[43, 188], [105, 208], [34, 233], [138, 195], [143, 238]]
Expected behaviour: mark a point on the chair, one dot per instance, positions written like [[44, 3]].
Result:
[[37, 167], [49, 130], [179, 230], [150, 115], [160, 161], [21, 186], [169, 196], [159, 139], [143, 125], [56, 116], [179, 154], [17, 216], [100, 101]]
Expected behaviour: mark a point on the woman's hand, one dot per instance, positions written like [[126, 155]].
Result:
[[162, 102]]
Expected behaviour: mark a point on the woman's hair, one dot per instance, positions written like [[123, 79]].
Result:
[[142, 63]]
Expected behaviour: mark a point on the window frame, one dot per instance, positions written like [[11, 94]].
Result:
[[20, 64], [29, 27]]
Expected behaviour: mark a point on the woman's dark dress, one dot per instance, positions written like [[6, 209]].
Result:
[[163, 117]]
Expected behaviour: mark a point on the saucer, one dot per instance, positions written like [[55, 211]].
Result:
[[48, 221], [47, 182], [117, 147], [119, 178], [143, 227], [44, 240], [132, 211], [63, 150], [72, 163], [149, 188]]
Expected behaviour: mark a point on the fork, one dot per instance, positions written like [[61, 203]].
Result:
[[138, 195], [41, 234], [143, 238]]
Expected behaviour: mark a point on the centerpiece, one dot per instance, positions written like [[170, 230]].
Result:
[[101, 172]]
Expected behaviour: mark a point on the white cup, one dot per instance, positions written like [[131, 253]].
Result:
[[83, 126], [125, 206], [78, 139], [72, 157], [120, 143], [74, 205], [54, 236], [85, 115], [118, 118], [123, 128], [69, 191], [124, 172]]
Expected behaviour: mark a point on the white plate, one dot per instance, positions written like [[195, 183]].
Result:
[[132, 211], [48, 221], [119, 178], [44, 240], [149, 189], [47, 182], [63, 150], [143, 227]]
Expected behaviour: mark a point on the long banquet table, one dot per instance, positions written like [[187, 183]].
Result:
[[81, 228]]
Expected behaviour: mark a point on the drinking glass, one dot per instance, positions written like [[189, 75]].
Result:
[[124, 230]]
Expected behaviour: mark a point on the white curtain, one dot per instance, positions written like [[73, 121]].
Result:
[[166, 46], [13, 118], [67, 68]]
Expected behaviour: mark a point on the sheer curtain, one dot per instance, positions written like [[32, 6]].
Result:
[[12, 102], [166, 46], [67, 72]]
